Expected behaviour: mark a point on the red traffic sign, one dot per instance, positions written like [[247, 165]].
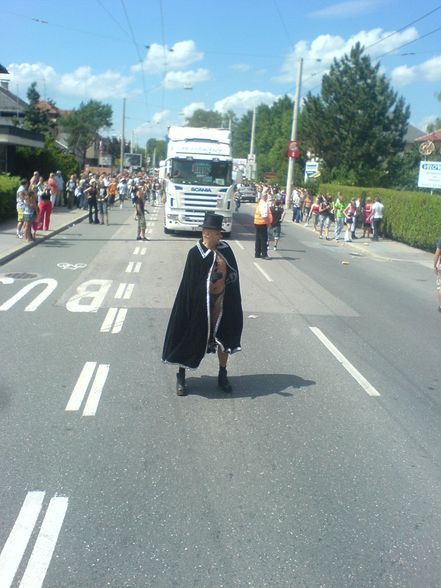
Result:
[[293, 149]]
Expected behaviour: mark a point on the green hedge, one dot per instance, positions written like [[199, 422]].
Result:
[[8, 190], [413, 218]]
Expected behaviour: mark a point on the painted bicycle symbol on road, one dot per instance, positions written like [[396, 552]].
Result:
[[71, 266]]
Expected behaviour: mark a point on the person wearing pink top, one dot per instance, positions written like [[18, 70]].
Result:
[[367, 218]]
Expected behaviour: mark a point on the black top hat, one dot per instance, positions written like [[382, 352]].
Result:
[[213, 221]]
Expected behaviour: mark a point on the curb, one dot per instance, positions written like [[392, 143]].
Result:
[[13, 254]]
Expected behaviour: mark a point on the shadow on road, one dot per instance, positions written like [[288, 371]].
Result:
[[248, 386]]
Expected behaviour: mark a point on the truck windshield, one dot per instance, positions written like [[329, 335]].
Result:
[[202, 172]]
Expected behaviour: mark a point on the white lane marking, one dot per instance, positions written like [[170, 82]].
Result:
[[239, 244], [76, 398], [45, 544], [136, 251], [129, 291], [119, 321], [71, 266], [15, 546], [124, 291], [345, 363], [50, 283], [142, 252], [96, 390], [120, 290], [263, 272], [133, 266], [108, 321], [89, 297]]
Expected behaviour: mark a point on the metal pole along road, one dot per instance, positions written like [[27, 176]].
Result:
[[121, 165], [295, 118]]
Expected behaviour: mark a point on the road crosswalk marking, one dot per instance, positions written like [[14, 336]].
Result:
[[80, 389], [18, 540], [139, 250]]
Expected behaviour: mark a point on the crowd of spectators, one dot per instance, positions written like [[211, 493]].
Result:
[[37, 198]]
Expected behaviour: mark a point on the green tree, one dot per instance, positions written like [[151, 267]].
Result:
[[35, 119], [211, 119], [357, 123], [83, 124]]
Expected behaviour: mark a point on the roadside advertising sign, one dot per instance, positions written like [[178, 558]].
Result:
[[132, 160], [430, 175], [311, 170]]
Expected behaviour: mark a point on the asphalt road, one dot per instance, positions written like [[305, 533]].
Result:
[[322, 469]]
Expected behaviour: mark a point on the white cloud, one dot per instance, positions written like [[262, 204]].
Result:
[[80, 83], [23, 74], [155, 128], [241, 67], [188, 110], [427, 120], [180, 79], [320, 53], [160, 58], [403, 75], [431, 69], [428, 71], [160, 117], [346, 9], [241, 102]]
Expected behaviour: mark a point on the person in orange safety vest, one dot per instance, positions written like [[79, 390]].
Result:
[[262, 220]]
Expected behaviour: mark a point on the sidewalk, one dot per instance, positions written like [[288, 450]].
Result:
[[384, 249], [11, 246]]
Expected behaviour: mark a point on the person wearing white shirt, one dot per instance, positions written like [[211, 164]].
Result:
[[377, 217]]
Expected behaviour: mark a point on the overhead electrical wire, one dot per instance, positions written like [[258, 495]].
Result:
[[404, 27], [141, 60]]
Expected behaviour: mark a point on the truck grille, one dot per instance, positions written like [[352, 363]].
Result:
[[196, 205]]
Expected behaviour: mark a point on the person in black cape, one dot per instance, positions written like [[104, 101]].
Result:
[[207, 313]]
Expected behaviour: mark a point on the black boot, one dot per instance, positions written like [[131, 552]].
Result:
[[223, 382], [181, 386]]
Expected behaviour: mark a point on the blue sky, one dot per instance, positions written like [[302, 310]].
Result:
[[168, 57]]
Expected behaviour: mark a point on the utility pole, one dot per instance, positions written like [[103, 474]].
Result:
[[132, 140], [121, 165], [251, 164], [294, 131]]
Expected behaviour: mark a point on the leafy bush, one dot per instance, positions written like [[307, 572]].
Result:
[[413, 218], [8, 189], [49, 159]]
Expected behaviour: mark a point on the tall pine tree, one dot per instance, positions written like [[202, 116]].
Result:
[[357, 124]]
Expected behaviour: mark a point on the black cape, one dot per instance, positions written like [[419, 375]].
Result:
[[188, 330]]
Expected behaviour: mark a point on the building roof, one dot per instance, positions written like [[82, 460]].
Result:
[[52, 110], [435, 136], [10, 103], [412, 133]]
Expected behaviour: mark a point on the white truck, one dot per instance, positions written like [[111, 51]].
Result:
[[197, 178]]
